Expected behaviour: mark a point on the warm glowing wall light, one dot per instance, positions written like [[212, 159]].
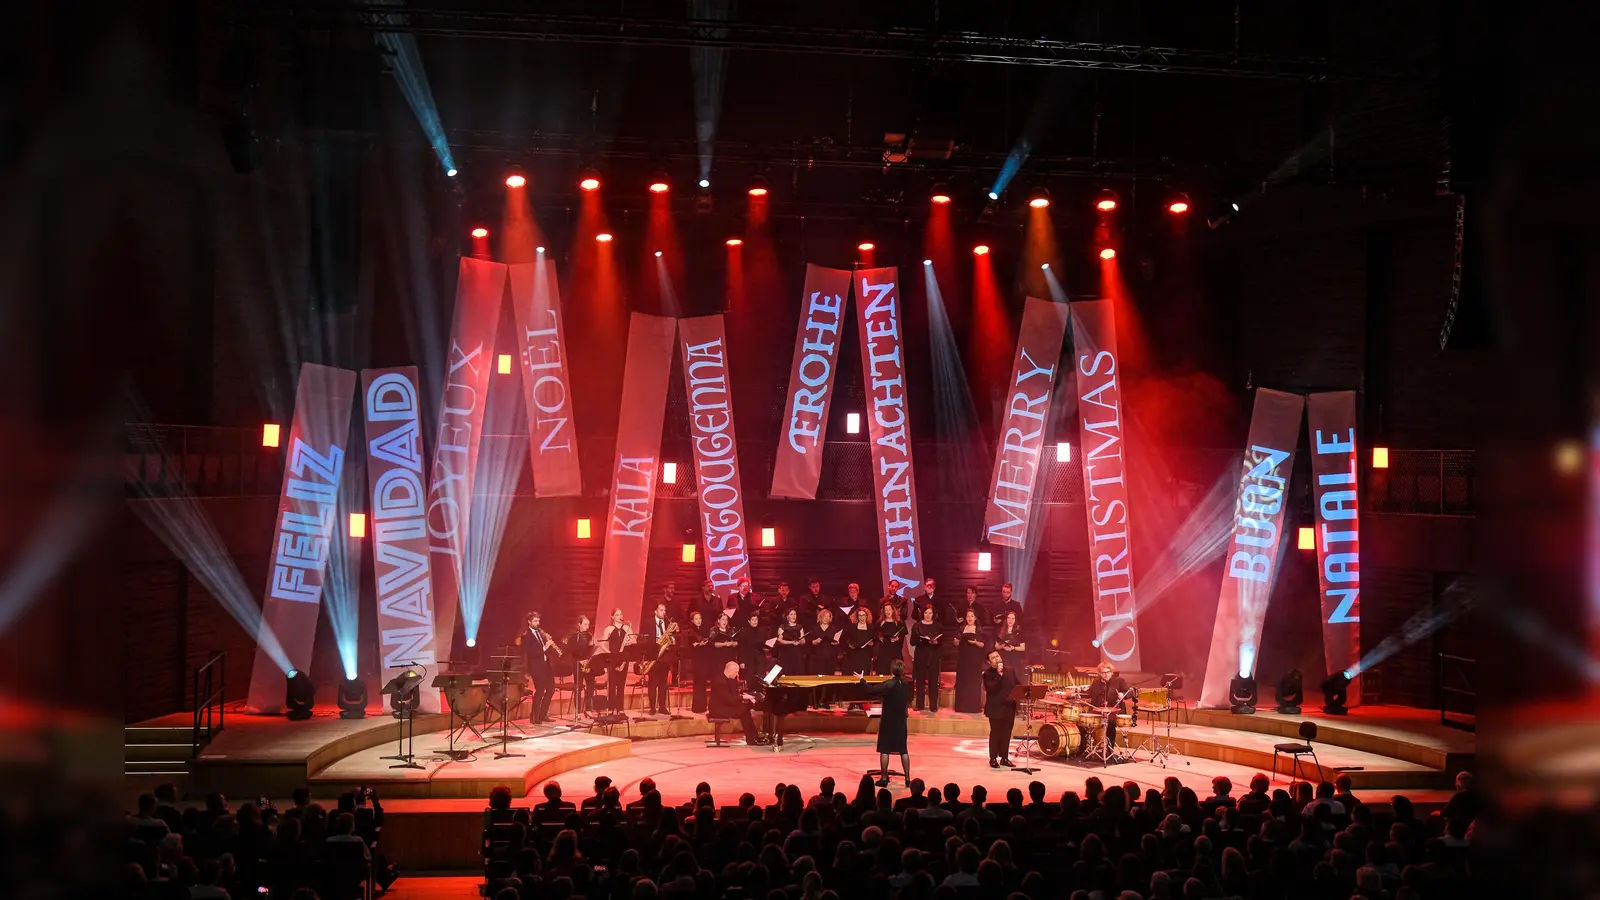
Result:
[[1063, 451], [669, 473], [735, 242], [269, 434], [769, 537], [358, 525], [1380, 457], [688, 553], [603, 237], [503, 364], [981, 250], [984, 561], [1108, 253], [864, 246], [515, 181], [585, 529], [1107, 202], [480, 233], [852, 423], [589, 180], [1308, 538]]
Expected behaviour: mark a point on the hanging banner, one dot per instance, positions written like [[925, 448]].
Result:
[[798, 464], [716, 457], [633, 476], [395, 463], [883, 370], [1105, 488], [479, 287], [1332, 420], [307, 518], [1022, 434], [1253, 553], [546, 389]]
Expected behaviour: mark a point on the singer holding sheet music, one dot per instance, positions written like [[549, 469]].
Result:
[[1110, 690]]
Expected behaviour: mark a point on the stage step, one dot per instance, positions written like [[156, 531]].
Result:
[[156, 751], [157, 734]]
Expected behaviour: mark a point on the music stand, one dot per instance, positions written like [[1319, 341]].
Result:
[[1026, 694], [402, 688], [504, 675]]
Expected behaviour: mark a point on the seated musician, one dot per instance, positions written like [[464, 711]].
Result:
[[728, 701], [1109, 690]]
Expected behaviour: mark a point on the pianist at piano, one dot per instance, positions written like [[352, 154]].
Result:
[[728, 701]]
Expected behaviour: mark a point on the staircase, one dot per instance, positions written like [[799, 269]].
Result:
[[160, 749]]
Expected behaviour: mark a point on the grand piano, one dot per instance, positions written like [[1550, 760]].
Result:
[[797, 693]]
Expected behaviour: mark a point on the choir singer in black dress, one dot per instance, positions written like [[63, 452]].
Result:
[[896, 697], [998, 681], [926, 636]]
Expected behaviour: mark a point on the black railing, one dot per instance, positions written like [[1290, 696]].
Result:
[[1455, 685], [210, 701]]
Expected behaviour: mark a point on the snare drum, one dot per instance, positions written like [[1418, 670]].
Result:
[[1069, 713], [1059, 739]]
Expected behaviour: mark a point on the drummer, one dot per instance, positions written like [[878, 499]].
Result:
[[1107, 691]]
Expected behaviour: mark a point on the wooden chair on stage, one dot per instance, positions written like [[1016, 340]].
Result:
[[716, 732], [1308, 733]]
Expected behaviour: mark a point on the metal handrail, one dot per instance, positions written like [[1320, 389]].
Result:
[[210, 701], [1446, 690]]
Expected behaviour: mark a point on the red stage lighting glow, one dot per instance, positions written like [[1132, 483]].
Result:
[[1108, 253], [735, 242], [503, 364], [269, 434], [480, 233], [515, 181], [358, 525], [940, 198], [1107, 202], [1039, 202], [984, 561], [688, 553], [1307, 539], [1178, 207], [585, 529], [864, 246], [981, 250], [758, 191], [603, 237], [658, 187], [589, 180], [669, 473], [769, 537], [1380, 457]]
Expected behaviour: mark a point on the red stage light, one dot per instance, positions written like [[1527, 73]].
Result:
[[864, 246], [480, 233], [1107, 202], [1308, 538], [940, 198], [515, 181], [1039, 202], [769, 537], [985, 561], [735, 242], [603, 237], [503, 364], [589, 180], [358, 525], [1380, 457], [269, 434], [981, 250], [1178, 207], [688, 553], [852, 423], [758, 191], [669, 473], [758, 186], [1108, 253], [658, 187], [585, 529]]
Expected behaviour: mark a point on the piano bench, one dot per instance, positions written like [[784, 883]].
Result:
[[716, 732]]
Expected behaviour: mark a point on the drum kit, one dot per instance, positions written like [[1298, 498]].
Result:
[[1076, 730]]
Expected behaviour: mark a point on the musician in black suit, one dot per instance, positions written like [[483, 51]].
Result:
[[1107, 691], [744, 602], [812, 600], [1001, 710], [926, 600], [1008, 604], [729, 702], [660, 649], [539, 651]]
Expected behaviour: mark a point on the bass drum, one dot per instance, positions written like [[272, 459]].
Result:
[[1057, 739]]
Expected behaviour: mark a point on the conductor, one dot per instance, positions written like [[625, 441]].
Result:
[[728, 702], [896, 695], [998, 682]]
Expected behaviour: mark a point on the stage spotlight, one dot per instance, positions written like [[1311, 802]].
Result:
[[358, 525], [300, 695], [1063, 451], [669, 473], [758, 186], [734, 242], [450, 173], [1178, 205], [1039, 199], [984, 561], [1108, 253], [688, 553], [352, 699], [589, 180], [538, 249], [705, 182], [1307, 538], [472, 642], [1380, 457], [269, 434], [585, 529], [981, 250], [927, 262], [480, 232], [1290, 693], [658, 183], [603, 237], [1242, 694], [658, 254], [1107, 201], [769, 536], [940, 194], [502, 364], [1335, 694], [1044, 266], [864, 246], [993, 196], [516, 179], [1095, 643]]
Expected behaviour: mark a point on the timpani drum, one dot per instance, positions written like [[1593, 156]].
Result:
[[468, 700], [1059, 739]]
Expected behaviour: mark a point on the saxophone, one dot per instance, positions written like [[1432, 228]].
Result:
[[661, 649]]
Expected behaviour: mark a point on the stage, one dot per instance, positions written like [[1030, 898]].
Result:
[[433, 811]]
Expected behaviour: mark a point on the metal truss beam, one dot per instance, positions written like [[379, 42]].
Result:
[[897, 43]]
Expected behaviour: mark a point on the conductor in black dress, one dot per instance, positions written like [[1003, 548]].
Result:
[[896, 696], [998, 682]]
